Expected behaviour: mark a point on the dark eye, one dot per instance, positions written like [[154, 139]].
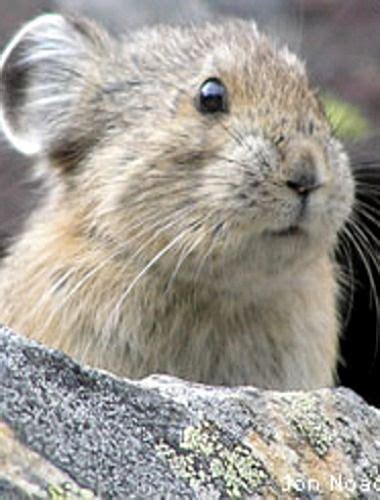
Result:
[[212, 97]]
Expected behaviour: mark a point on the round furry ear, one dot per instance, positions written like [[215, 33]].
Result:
[[43, 71]]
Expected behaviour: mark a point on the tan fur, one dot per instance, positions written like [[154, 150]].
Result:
[[161, 247]]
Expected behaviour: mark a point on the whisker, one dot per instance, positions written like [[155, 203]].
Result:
[[347, 280], [360, 206], [186, 251], [94, 271], [356, 242], [234, 135], [206, 255], [367, 237], [115, 311]]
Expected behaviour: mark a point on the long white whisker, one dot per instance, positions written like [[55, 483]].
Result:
[[203, 261], [367, 214], [186, 251], [357, 245], [92, 272], [347, 280], [157, 257]]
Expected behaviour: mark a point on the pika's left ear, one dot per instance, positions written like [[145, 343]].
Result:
[[47, 72]]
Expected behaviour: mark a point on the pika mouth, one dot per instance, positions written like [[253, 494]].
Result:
[[289, 231]]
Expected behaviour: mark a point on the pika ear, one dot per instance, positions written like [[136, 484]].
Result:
[[43, 72]]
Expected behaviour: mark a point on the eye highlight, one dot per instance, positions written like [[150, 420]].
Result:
[[212, 97]]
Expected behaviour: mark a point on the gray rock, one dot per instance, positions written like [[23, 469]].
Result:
[[66, 428]]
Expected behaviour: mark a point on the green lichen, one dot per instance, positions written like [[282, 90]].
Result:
[[68, 491], [207, 463], [347, 120], [307, 419], [195, 438]]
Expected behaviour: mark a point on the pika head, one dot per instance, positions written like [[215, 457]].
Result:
[[207, 143]]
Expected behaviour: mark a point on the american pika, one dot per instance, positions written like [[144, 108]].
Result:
[[197, 192]]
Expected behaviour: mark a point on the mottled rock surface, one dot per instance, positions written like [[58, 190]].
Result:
[[71, 432]]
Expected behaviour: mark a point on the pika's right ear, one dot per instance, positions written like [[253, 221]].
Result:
[[43, 73]]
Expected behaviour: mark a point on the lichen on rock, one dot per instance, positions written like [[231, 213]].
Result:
[[89, 434]]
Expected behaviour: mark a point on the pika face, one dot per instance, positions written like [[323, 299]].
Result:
[[208, 143], [197, 194]]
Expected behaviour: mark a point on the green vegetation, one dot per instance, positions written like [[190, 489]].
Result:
[[347, 120]]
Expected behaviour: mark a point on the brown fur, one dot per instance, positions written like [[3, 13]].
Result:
[[163, 246]]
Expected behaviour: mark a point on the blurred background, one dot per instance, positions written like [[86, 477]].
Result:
[[340, 41]]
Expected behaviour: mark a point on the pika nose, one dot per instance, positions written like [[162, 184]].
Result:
[[305, 168], [304, 183]]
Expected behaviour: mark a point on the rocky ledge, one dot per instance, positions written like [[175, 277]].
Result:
[[70, 432]]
